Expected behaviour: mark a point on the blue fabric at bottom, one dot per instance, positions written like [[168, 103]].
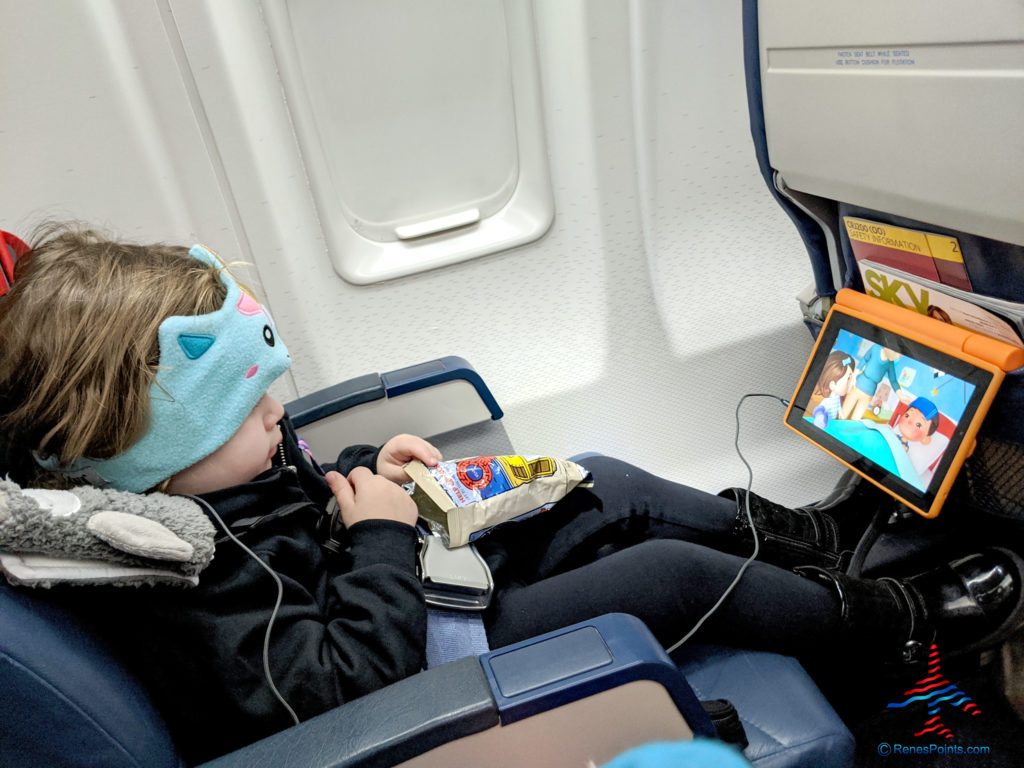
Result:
[[680, 754], [453, 635]]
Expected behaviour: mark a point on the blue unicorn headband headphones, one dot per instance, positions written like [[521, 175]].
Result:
[[213, 370]]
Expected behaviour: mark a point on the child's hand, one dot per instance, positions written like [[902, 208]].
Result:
[[366, 496], [402, 449]]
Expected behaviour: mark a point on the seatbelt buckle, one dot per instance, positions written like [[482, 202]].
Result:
[[455, 579]]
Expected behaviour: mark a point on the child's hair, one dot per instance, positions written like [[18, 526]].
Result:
[[833, 370], [78, 340]]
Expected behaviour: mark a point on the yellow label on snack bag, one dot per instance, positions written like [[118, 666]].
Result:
[[521, 470]]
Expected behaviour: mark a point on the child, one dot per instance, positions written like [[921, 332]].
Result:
[[915, 430], [918, 423], [833, 385], [147, 367]]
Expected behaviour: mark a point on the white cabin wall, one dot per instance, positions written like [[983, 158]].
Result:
[[700, 266], [663, 291], [96, 125], [725, 262]]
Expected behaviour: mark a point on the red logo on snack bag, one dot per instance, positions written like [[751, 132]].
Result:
[[475, 473]]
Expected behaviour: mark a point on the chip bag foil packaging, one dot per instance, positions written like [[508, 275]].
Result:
[[465, 499]]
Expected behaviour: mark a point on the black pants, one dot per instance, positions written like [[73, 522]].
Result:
[[636, 543]]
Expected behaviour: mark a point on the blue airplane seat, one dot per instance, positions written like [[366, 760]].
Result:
[[787, 720], [68, 701], [64, 693]]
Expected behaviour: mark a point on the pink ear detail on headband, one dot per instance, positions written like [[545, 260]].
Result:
[[248, 306]]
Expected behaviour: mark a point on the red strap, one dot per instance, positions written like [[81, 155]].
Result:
[[11, 249]]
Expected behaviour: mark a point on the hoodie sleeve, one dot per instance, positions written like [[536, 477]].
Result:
[[361, 628], [366, 630], [345, 627]]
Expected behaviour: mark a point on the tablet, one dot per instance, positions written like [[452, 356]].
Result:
[[898, 397]]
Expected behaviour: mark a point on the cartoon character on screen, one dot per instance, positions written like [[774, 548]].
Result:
[[877, 364], [833, 385], [918, 423]]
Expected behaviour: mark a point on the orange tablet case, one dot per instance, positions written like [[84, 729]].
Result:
[[984, 352]]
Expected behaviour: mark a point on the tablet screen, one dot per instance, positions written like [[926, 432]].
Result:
[[891, 408]]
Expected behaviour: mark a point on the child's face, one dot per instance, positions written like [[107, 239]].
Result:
[[914, 426], [249, 452]]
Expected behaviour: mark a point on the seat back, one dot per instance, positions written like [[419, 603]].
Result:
[[66, 700], [883, 173]]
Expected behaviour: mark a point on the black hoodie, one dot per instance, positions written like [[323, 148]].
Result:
[[349, 622]]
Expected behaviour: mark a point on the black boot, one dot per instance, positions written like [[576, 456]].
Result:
[[975, 601], [825, 534], [968, 604]]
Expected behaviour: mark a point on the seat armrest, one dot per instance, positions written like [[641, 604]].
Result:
[[574, 662], [474, 695], [385, 727], [425, 399], [334, 399], [375, 386], [430, 374]]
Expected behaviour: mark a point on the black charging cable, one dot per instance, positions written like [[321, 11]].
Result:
[[750, 521]]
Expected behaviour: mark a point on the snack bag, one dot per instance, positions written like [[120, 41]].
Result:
[[465, 499]]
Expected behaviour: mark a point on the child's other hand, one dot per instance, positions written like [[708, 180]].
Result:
[[402, 449], [366, 496]]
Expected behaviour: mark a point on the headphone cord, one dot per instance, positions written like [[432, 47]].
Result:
[[277, 604], [750, 521]]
